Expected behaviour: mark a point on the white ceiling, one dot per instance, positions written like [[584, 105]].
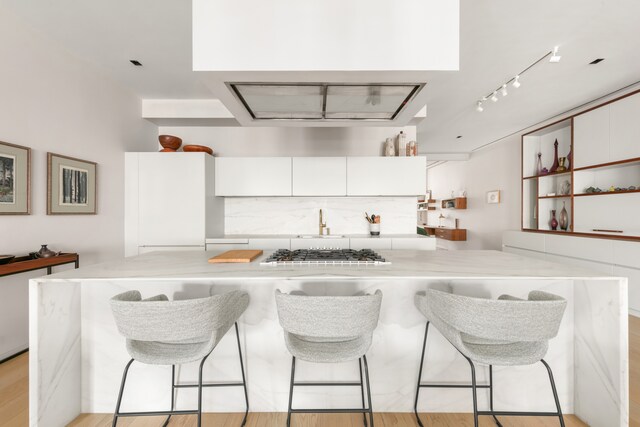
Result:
[[498, 39]]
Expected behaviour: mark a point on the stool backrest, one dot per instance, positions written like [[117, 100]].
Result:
[[182, 321], [326, 317], [504, 319]]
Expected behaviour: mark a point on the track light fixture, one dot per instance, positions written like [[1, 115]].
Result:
[[515, 81]]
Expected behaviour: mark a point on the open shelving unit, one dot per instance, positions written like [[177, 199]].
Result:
[[598, 140]]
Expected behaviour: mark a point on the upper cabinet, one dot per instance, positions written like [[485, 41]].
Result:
[[625, 129], [319, 176], [610, 133], [253, 176], [386, 176]]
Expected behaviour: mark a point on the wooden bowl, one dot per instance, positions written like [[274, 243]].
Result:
[[170, 141], [197, 149], [167, 150], [6, 259]]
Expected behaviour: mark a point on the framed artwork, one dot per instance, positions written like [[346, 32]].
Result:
[[71, 186], [493, 196], [15, 179]]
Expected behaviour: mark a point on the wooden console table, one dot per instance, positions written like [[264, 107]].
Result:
[[454, 234], [26, 263]]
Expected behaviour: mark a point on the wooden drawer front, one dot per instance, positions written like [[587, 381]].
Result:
[[443, 234], [458, 235]]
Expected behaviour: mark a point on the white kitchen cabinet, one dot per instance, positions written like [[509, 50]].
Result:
[[269, 244], [253, 176], [624, 128], [147, 249], [386, 176], [591, 137], [413, 243], [223, 247], [169, 200], [319, 176], [380, 243], [315, 243]]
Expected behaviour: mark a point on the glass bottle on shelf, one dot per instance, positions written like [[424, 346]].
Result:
[[539, 165], [554, 222], [564, 218]]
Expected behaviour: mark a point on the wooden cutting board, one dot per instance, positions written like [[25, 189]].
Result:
[[238, 255]]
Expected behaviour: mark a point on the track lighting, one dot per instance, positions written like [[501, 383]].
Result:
[[504, 90], [555, 57], [516, 82], [494, 97], [479, 108]]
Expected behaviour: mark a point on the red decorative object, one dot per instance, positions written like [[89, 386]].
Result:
[[555, 158], [197, 149], [554, 222], [167, 150], [170, 141]]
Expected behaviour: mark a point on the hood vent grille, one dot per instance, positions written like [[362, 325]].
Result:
[[324, 101]]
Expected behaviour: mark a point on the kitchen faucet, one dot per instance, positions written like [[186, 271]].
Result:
[[323, 225]]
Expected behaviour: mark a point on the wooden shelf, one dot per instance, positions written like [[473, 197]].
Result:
[[26, 263], [549, 174], [605, 193], [620, 163], [567, 196], [453, 234], [458, 203]]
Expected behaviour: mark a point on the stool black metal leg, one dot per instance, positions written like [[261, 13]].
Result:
[[244, 381], [173, 394], [424, 346], [555, 392], [364, 416], [475, 393], [491, 394], [366, 374], [293, 373], [200, 391], [124, 379]]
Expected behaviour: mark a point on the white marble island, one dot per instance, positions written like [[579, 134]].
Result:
[[77, 355]]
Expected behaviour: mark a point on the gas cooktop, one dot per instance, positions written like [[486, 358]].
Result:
[[325, 257]]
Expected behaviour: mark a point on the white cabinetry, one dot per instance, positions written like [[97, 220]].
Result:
[[253, 176], [625, 128], [169, 201], [380, 243], [591, 137], [386, 176], [319, 176], [269, 244]]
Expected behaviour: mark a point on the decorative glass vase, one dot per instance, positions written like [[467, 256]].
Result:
[[554, 167], [539, 164], [554, 222], [564, 218]]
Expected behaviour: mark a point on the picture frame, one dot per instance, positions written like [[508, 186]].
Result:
[[15, 179], [71, 185], [493, 196]]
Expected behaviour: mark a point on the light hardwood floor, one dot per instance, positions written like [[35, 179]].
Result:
[[14, 406]]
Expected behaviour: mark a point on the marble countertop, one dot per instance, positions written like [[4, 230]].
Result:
[[213, 239], [193, 265]]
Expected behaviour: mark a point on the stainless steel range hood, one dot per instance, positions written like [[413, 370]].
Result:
[[325, 101]]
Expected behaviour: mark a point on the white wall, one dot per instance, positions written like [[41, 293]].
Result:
[[495, 168], [273, 141], [51, 101]]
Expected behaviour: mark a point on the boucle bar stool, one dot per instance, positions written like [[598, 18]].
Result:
[[503, 332], [329, 329], [163, 332]]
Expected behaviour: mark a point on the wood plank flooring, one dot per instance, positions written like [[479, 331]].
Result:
[[14, 406]]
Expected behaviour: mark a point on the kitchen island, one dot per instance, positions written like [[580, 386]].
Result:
[[77, 355]]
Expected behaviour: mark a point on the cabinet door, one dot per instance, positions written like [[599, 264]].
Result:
[[386, 176], [147, 249], [253, 176], [370, 243], [625, 129], [268, 244], [414, 243], [319, 176], [223, 247], [171, 199], [591, 137], [339, 243]]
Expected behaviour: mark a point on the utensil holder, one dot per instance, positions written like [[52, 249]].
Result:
[[374, 229]]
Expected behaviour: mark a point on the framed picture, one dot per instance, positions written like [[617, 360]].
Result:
[[15, 179], [71, 186], [493, 196]]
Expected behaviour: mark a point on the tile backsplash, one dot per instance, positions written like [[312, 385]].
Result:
[[299, 215]]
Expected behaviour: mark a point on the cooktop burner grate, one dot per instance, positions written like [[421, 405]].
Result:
[[325, 257]]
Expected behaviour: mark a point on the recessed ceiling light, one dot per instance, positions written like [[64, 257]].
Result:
[[136, 62], [596, 61], [555, 57]]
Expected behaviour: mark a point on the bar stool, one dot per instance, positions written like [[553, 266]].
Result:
[[329, 329], [163, 332], [503, 332]]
